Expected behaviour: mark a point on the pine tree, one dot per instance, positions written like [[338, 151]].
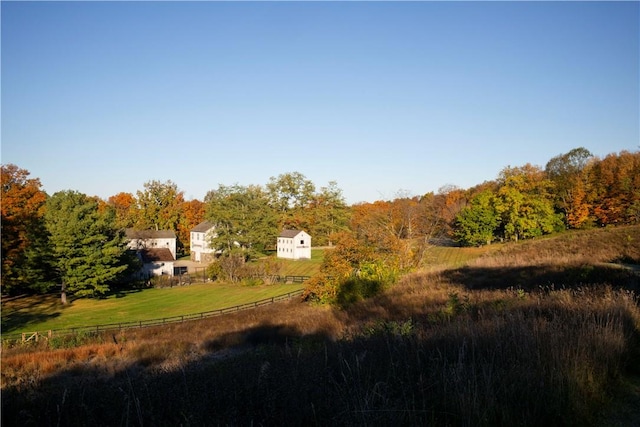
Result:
[[89, 251]]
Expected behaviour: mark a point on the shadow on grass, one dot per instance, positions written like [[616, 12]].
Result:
[[533, 277], [18, 314], [466, 374], [522, 365], [121, 293]]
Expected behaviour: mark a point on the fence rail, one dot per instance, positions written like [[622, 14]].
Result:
[[35, 335]]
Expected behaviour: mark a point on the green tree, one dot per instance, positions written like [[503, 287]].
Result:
[[244, 221], [159, 206], [477, 222], [89, 252], [524, 203], [330, 214], [290, 194]]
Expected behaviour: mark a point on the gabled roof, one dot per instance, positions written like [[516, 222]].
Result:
[[290, 233], [149, 234], [155, 255], [203, 227]]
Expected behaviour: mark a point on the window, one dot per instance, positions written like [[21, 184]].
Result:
[[302, 242]]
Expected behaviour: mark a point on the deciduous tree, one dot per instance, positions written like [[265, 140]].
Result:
[[124, 205], [244, 221], [25, 249], [289, 194], [329, 214], [476, 223], [193, 213], [159, 207], [524, 203], [614, 188], [566, 171]]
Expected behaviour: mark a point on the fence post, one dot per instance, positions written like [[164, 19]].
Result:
[[24, 337]]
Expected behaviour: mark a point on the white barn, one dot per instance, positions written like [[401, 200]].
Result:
[[294, 244], [201, 235]]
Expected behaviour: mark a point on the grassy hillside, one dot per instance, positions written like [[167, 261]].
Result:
[[545, 332]]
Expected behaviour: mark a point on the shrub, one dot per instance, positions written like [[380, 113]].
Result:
[[356, 289]]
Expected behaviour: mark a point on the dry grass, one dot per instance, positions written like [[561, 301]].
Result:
[[466, 346]]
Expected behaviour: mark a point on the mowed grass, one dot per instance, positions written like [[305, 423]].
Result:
[[43, 313], [303, 267], [451, 256]]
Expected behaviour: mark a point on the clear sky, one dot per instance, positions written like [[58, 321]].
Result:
[[381, 97]]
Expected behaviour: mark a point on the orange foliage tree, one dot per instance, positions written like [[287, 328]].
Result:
[[193, 213], [124, 206], [615, 188], [25, 251], [567, 172]]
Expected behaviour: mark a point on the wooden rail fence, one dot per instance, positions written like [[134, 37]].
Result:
[[35, 336]]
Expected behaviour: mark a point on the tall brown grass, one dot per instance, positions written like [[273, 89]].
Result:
[[440, 348]]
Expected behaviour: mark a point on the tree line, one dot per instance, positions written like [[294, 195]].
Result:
[[386, 238], [78, 240]]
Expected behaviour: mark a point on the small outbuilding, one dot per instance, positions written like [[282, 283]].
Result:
[[294, 244]]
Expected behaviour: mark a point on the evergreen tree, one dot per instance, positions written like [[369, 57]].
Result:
[[89, 251]]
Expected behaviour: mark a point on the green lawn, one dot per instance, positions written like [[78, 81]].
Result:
[[454, 256], [303, 267], [42, 313]]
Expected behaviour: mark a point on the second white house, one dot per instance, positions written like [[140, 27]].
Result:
[[294, 244], [201, 250]]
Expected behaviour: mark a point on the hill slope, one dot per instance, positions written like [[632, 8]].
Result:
[[435, 349]]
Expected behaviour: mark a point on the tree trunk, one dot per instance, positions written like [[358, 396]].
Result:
[[63, 295]]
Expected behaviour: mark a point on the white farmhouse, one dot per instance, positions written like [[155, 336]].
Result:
[[294, 244], [201, 250], [155, 248]]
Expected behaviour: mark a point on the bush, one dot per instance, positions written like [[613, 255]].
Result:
[[355, 289]]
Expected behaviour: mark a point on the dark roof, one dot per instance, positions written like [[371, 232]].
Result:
[[203, 226], [155, 255], [149, 234], [290, 233]]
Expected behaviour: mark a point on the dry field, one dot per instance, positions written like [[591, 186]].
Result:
[[540, 332]]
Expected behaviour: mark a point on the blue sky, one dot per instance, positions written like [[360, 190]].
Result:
[[382, 97]]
